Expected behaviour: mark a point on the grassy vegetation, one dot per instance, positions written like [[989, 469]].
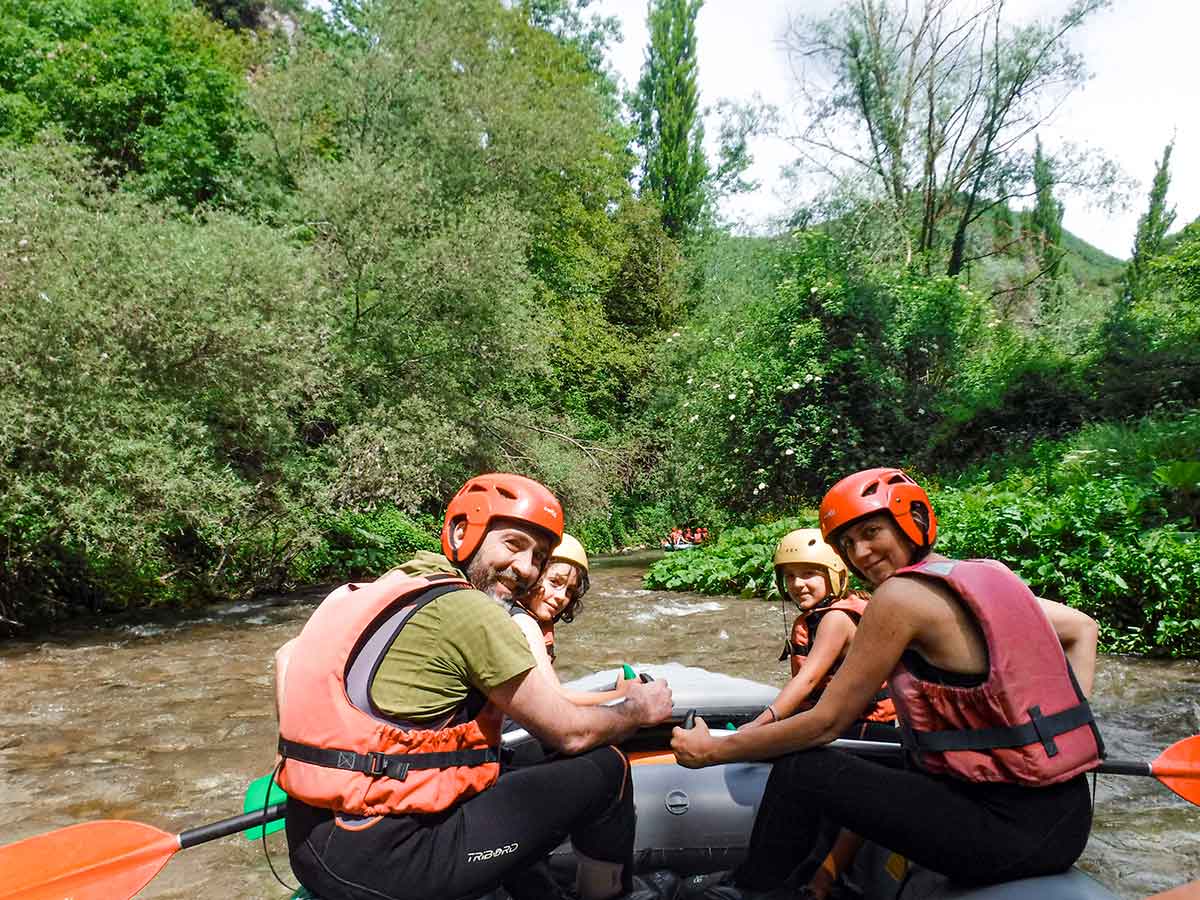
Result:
[[1107, 521]]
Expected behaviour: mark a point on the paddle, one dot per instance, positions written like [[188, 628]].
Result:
[[1177, 767], [256, 798], [107, 860]]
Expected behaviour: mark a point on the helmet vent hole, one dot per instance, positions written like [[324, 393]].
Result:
[[505, 492], [899, 478], [870, 489]]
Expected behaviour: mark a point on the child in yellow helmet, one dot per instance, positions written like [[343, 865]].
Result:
[[811, 574], [814, 578], [557, 597]]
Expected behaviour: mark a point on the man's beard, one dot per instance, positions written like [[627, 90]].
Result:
[[486, 579]]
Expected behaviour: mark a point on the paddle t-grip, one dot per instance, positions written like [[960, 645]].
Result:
[[689, 721]]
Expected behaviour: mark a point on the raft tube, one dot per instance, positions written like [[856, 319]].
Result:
[[678, 545], [698, 821]]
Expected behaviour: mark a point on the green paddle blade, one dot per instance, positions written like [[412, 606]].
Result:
[[256, 799], [627, 671]]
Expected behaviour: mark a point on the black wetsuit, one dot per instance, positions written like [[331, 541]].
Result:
[[470, 848]]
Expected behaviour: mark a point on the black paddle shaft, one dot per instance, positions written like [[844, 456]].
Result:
[[226, 827]]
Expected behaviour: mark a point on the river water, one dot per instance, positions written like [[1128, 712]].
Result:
[[166, 723]]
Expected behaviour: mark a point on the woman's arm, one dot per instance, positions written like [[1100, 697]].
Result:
[[895, 617], [834, 635], [1078, 633]]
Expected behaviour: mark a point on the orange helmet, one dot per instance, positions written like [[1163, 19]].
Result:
[[498, 496], [877, 490]]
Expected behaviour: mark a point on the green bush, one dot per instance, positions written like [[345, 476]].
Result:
[[153, 87], [740, 561], [358, 544], [771, 400]]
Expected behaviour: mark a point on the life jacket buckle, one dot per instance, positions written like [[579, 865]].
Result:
[[376, 763]]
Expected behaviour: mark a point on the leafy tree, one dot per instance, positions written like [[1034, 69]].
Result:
[[1045, 225], [667, 111], [565, 20], [1045, 220], [235, 13], [1152, 227], [467, 114], [938, 106], [153, 87]]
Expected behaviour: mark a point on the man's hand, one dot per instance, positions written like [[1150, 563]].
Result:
[[693, 747], [648, 702]]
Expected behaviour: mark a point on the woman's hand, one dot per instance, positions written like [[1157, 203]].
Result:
[[693, 747]]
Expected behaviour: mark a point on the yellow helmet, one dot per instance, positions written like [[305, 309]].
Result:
[[805, 545], [572, 551]]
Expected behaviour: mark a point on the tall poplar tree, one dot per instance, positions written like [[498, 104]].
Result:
[[1152, 227], [667, 112], [1046, 218]]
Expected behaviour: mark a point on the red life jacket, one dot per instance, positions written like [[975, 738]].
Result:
[[854, 605], [1027, 722], [342, 753]]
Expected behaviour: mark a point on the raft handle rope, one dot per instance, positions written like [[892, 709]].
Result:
[[266, 851]]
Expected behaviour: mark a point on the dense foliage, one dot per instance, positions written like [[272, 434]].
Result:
[[1108, 522], [276, 281], [152, 87], [427, 262]]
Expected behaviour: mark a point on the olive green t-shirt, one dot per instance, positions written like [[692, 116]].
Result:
[[460, 640]]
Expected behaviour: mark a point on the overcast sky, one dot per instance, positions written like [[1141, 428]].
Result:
[[1142, 53]]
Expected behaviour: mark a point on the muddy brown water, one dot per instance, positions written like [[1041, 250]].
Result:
[[167, 723]]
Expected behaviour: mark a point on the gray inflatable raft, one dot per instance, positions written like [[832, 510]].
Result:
[[697, 821]]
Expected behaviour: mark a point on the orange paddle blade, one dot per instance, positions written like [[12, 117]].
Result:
[[110, 860], [1178, 767]]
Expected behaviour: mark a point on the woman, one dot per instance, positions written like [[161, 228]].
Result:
[[989, 684]]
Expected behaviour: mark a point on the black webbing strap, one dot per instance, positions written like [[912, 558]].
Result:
[[1039, 730], [383, 765]]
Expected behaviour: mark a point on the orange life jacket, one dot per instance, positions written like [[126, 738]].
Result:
[[342, 753], [1027, 722], [800, 645]]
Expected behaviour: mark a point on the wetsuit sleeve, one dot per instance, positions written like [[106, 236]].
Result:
[[489, 643]]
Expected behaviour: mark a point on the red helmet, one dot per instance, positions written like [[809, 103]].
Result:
[[877, 490], [498, 496]]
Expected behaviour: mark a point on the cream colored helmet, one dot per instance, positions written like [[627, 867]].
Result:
[[805, 545], [570, 550]]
